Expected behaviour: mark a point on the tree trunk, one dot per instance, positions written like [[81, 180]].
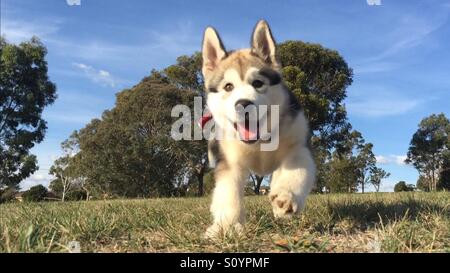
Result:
[[87, 193], [200, 170], [433, 185], [66, 187], [429, 180], [200, 184], [83, 187], [258, 182]]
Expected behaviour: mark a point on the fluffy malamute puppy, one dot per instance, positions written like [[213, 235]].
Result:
[[252, 78]]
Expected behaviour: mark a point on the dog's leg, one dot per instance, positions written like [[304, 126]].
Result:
[[292, 182], [227, 201]]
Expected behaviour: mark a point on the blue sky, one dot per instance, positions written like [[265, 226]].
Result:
[[399, 51]]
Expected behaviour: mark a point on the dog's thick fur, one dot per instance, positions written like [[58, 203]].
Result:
[[291, 165]]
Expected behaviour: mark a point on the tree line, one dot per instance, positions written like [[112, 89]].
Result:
[[429, 153], [128, 152]]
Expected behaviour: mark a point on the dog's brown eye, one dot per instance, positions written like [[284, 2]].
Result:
[[228, 87], [257, 83]]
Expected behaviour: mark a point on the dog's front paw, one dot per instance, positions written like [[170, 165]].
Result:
[[216, 230], [213, 231], [284, 204]]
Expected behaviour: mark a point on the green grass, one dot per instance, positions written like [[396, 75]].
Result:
[[388, 222]]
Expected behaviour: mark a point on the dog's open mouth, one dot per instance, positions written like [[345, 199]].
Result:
[[248, 130]]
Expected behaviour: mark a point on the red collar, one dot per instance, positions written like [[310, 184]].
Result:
[[204, 119]]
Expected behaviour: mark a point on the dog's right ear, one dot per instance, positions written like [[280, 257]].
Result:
[[212, 51]]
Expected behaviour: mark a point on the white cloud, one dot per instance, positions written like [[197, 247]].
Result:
[[387, 186], [374, 67], [380, 107], [100, 76], [381, 159], [380, 101], [40, 177], [400, 160], [177, 39], [411, 31], [18, 31], [74, 117], [48, 30], [391, 159]]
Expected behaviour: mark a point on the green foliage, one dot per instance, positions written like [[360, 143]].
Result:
[[35, 194], [402, 186], [61, 185], [318, 77], [376, 175], [351, 166], [56, 187], [429, 149], [186, 73], [444, 176], [77, 194], [208, 185], [8, 194], [74, 192], [342, 176], [69, 178], [130, 152], [25, 91], [422, 184]]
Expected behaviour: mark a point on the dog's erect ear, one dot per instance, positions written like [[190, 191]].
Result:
[[263, 43], [212, 51]]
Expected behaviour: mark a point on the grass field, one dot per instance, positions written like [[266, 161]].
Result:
[[385, 222]]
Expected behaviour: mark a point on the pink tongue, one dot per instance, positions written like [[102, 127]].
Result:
[[246, 133]]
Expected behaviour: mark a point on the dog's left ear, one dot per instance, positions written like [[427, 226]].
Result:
[[263, 43]]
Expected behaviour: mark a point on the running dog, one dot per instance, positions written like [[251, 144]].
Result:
[[251, 78]]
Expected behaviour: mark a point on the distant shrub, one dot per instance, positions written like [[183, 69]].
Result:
[[76, 195], [208, 185], [444, 180], [35, 194], [7, 195], [402, 186]]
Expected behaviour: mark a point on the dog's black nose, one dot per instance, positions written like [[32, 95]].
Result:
[[241, 104]]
